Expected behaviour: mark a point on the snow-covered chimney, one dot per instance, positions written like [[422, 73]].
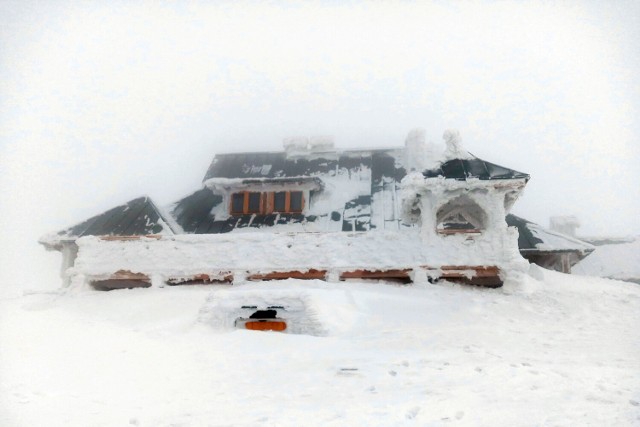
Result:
[[564, 224], [415, 151], [454, 144], [318, 144], [302, 145]]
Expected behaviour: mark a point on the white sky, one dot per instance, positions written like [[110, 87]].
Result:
[[101, 102]]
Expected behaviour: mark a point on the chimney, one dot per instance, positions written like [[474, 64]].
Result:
[[415, 150], [564, 224], [302, 145]]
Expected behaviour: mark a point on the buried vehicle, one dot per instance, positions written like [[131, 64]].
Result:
[[262, 320], [265, 308]]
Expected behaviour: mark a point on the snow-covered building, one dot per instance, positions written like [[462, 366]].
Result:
[[414, 213], [547, 248]]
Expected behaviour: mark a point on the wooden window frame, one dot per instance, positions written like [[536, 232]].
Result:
[[267, 202], [288, 201], [245, 203]]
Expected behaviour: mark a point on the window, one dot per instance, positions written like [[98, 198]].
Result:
[[295, 201], [250, 202], [246, 203], [255, 202], [237, 203], [460, 215], [280, 201]]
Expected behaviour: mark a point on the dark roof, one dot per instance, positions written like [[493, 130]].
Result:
[[461, 169], [278, 165], [194, 212], [526, 239], [135, 218], [534, 238]]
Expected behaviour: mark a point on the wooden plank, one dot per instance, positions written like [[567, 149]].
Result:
[[126, 238], [459, 270], [453, 231], [487, 276], [201, 279], [129, 275], [269, 202], [295, 274], [111, 284], [376, 274]]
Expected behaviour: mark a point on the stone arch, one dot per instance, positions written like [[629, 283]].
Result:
[[461, 214]]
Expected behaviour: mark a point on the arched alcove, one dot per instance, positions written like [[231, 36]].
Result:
[[460, 215]]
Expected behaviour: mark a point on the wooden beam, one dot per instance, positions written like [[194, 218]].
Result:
[[487, 276], [376, 274], [459, 270], [111, 284], [126, 238], [201, 279], [295, 274], [447, 232], [129, 275]]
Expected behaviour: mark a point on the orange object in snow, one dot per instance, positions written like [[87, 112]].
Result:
[[257, 325]]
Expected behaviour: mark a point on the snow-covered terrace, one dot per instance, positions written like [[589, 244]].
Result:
[[164, 258]]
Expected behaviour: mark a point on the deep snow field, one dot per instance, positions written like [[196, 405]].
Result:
[[547, 349]]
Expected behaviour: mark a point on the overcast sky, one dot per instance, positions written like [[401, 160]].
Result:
[[101, 102]]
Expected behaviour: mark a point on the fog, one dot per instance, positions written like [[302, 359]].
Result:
[[101, 102]]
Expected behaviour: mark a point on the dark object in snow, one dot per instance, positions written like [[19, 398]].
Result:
[[262, 320], [264, 314]]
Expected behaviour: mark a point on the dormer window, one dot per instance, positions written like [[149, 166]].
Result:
[[252, 202], [288, 201], [280, 201], [246, 202]]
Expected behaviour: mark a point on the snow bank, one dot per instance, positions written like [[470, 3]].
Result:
[[617, 261], [553, 349]]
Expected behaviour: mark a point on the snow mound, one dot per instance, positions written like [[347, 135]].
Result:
[[616, 261]]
